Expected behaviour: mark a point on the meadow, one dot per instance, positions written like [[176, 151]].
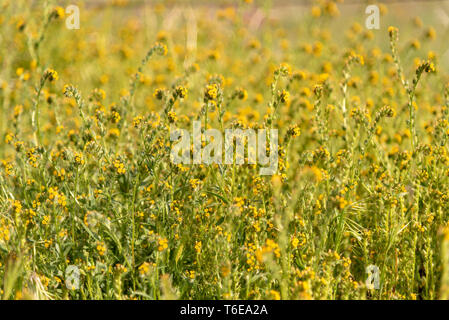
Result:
[[93, 207]]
